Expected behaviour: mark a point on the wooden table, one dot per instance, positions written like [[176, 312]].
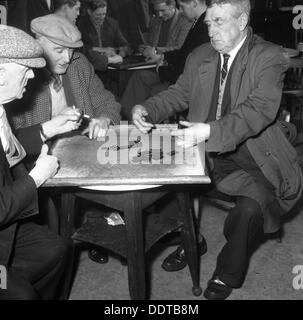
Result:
[[130, 188]]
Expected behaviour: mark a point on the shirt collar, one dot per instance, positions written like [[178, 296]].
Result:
[[233, 53]]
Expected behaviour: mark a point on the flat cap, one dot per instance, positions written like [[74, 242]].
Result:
[[58, 30], [19, 47]]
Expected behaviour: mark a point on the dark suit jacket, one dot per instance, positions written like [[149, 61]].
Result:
[[18, 192], [255, 96], [176, 58]]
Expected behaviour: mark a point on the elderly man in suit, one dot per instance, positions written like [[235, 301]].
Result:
[[68, 80], [33, 256], [232, 89], [146, 83]]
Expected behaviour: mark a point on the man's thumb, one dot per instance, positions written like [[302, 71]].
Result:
[[44, 150], [185, 124]]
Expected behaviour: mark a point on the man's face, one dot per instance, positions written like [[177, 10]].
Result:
[[15, 77], [224, 27], [99, 14], [72, 13], [164, 11], [58, 57], [188, 9]]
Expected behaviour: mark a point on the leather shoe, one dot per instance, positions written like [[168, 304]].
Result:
[[98, 255], [177, 261], [217, 290]]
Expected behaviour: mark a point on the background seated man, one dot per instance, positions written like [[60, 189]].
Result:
[[103, 40], [68, 80], [69, 9], [146, 83], [33, 256], [232, 89], [169, 29]]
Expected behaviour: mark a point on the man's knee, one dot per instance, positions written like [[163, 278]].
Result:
[[247, 212]]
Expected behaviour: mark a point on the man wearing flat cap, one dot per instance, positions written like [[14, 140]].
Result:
[[68, 80], [33, 257]]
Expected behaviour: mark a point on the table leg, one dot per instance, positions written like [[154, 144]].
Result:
[[67, 213], [189, 240], [135, 245]]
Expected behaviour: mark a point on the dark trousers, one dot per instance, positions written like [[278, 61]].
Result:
[[243, 227], [37, 265]]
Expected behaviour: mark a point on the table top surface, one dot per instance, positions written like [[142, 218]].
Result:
[[127, 157]]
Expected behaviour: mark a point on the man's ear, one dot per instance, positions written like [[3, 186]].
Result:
[[243, 21], [195, 3]]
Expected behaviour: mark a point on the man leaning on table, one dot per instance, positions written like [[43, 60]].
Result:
[[232, 88], [34, 257], [68, 80]]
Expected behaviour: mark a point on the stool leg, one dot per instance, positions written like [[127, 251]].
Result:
[[189, 241], [135, 245]]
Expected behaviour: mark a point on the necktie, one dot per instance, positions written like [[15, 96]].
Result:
[[224, 70], [57, 84], [194, 23]]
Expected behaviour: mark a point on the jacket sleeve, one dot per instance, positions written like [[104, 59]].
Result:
[[18, 200], [173, 100], [259, 110], [30, 139], [103, 101]]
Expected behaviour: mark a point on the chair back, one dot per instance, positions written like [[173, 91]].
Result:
[[298, 36], [293, 83]]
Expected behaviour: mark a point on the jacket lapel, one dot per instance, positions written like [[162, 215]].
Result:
[[240, 68], [207, 76]]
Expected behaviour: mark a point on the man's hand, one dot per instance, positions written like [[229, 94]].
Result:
[[139, 114], [124, 51], [45, 168], [151, 55], [97, 128], [142, 47], [115, 59], [64, 122], [192, 134]]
